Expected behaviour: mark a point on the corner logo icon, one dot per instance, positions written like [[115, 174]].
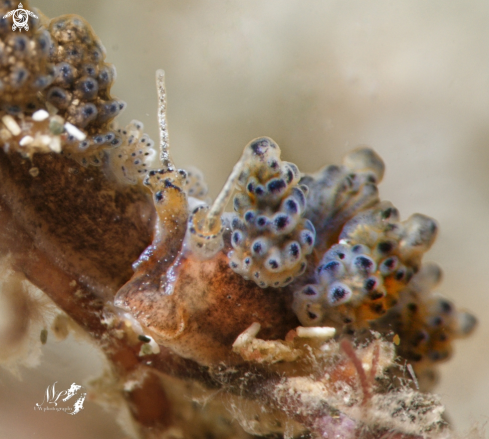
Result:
[[20, 17]]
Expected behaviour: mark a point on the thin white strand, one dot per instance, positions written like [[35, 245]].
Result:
[[217, 208], [162, 121]]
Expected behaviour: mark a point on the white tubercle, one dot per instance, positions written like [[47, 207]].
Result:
[[324, 333], [75, 132], [11, 124], [247, 336], [55, 144], [149, 348], [40, 115], [26, 140]]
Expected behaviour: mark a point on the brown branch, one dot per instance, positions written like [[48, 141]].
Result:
[[148, 403], [30, 236]]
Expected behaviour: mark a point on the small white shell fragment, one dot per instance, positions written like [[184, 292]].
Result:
[[149, 348], [247, 336], [413, 375], [154, 346], [130, 385], [145, 350], [55, 144], [367, 367], [11, 124], [45, 140], [263, 351], [75, 132], [26, 140], [324, 333], [40, 115], [34, 172], [326, 347]]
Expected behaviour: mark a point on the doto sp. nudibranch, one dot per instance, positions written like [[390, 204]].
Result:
[[329, 276]]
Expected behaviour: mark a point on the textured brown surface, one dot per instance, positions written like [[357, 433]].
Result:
[[78, 216], [210, 306]]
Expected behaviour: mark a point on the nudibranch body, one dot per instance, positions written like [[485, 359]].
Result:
[[57, 66], [271, 239], [360, 278], [299, 249], [319, 248]]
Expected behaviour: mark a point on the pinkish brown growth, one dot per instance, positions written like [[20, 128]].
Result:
[[364, 381]]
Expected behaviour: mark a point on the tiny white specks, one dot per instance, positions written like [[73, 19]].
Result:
[[26, 140], [149, 348], [45, 139], [11, 124], [413, 375], [55, 144], [130, 385], [75, 132], [40, 115], [247, 336], [316, 332]]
